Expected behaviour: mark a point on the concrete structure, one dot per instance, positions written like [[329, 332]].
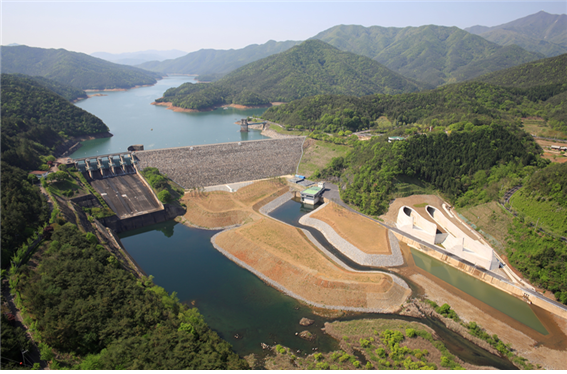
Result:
[[244, 125], [127, 195], [225, 163], [439, 230], [106, 166], [312, 195], [136, 147]]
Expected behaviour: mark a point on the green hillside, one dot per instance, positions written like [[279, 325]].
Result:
[[541, 32], [545, 72], [433, 54], [68, 92], [74, 69], [34, 122], [211, 64], [311, 68]]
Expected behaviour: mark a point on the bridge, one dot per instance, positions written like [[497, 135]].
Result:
[[106, 166]]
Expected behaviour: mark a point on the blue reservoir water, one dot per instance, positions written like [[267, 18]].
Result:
[[132, 120]]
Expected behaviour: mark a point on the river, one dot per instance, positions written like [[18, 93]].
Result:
[[234, 302]]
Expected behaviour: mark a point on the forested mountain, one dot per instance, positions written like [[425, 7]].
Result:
[[312, 68], [541, 32], [546, 72], [433, 54], [34, 121], [68, 92], [136, 58], [83, 302], [451, 106], [211, 64], [74, 69]]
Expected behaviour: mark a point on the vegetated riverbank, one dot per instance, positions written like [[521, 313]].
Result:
[[174, 108], [119, 89], [386, 344]]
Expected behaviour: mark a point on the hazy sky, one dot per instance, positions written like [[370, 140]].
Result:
[[129, 26]]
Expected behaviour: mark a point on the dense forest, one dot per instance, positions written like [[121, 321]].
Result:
[[84, 303], [34, 121], [308, 69], [452, 164], [433, 54], [74, 69], [533, 89], [68, 92]]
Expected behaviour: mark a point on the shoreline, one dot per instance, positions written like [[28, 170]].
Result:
[[118, 89], [170, 106], [73, 144]]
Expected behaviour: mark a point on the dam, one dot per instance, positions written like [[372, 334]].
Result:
[[215, 164]]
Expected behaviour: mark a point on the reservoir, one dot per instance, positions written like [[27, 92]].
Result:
[[132, 120]]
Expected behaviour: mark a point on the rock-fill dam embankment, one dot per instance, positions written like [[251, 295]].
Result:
[[214, 164]]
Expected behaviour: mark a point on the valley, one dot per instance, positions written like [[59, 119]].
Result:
[[152, 221]]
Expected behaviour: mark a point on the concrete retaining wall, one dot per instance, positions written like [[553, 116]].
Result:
[[211, 165], [349, 250], [120, 225], [486, 278]]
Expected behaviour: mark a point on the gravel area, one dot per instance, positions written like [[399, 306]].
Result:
[[349, 250]]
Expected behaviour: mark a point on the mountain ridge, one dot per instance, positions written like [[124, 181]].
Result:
[[430, 53], [540, 32], [75, 69], [313, 67]]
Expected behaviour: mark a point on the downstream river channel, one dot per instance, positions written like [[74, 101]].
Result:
[[234, 302]]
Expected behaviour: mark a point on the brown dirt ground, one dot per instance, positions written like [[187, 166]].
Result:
[[550, 348], [222, 209], [366, 235], [285, 255]]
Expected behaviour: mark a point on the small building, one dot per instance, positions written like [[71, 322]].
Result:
[[40, 174], [395, 138], [312, 195]]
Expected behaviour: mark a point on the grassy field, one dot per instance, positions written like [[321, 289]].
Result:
[[492, 221], [63, 188], [318, 154], [539, 127], [546, 214]]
